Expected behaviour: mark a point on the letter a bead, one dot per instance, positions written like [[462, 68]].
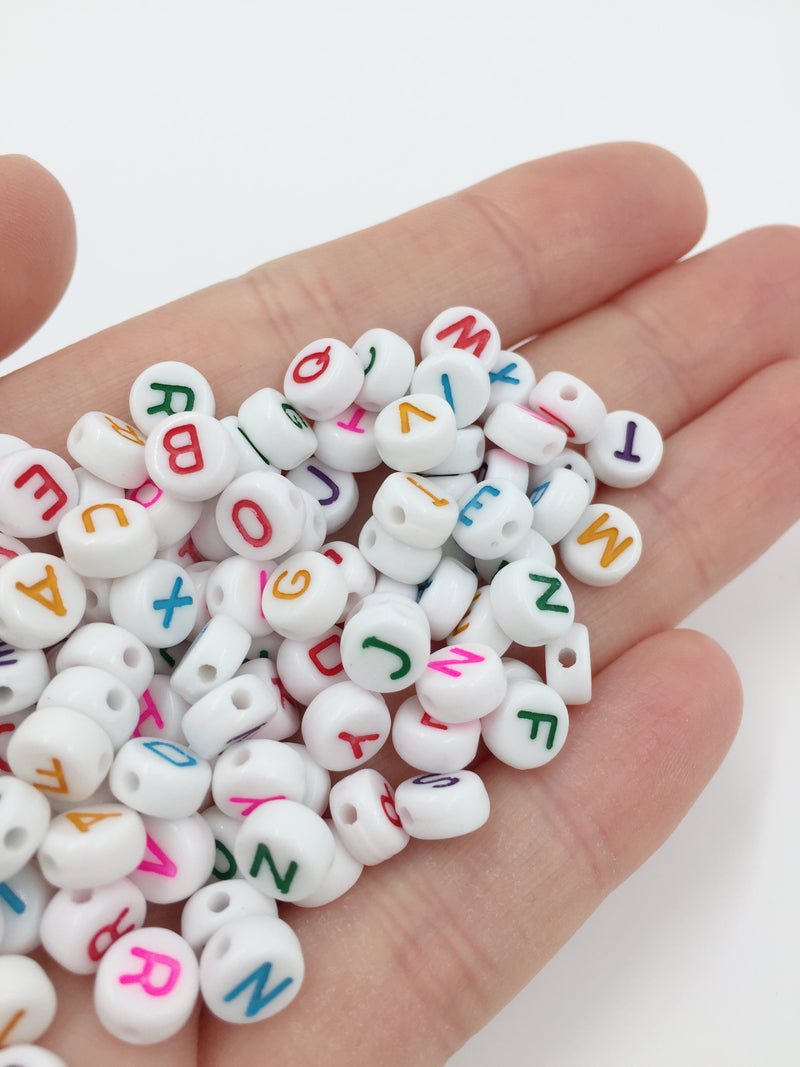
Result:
[[42, 600]]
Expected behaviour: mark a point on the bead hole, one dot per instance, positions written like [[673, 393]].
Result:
[[509, 529], [131, 781], [219, 902], [15, 838], [81, 896], [242, 755], [348, 814], [207, 673], [115, 699], [6, 693], [130, 657], [242, 699], [397, 515], [568, 392], [216, 596], [223, 946], [567, 657]]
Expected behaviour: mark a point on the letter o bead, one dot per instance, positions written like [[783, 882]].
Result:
[[251, 969], [27, 998], [260, 515], [146, 986], [438, 806]]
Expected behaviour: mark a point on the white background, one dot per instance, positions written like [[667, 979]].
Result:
[[198, 139]]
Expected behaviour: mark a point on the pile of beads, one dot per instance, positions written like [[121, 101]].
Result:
[[201, 615]]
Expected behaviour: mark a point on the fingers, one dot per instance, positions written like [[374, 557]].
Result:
[[37, 248], [531, 247], [426, 948]]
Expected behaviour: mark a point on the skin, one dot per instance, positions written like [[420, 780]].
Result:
[[583, 250]]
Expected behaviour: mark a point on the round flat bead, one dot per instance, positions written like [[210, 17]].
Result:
[[24, 673], [558, 503], [602, 547], [109, 539], [447, 595], [179, 857], [80, 925], [312, 664], [213, 657], [61, 751], [626, 451], [91, 846], [276, 429], [347, 440], [568, 666], [524, 433], [345, 725], [29, 1056], [284, 849], [168, 388], [415, 432], [456, 377], [231, 712], [27, 999], [394, 558], [464, 457], [200, 574], [388, 361], [146, 986], [499, 464], [212, 906], [315, 527], [385, 643], [461, 682], [98, 694], [492, 518], [10, 548], [234, 588], [572, 461], [323, 378], [24, 818], [359, 576], [336, 490], [23, 898], [439, 806], [569, 403], [158, 604], [529, 727], [248, 457], [317, 778], [532, 604], [190, 455], [412, 511], [480, 624], [340, 877], [37, 488], [160, 778], [511, 380], [261, 515], [94, 490], [463, 328], [251, 969], [364, 814], [286, 720], [161, 711], [114, 649], [532, 546], [171, 519], [224, 829], [42, 600], [108, 448], [430, 745], [304, 595], [254, 772]]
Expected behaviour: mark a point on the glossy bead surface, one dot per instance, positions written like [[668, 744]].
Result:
[[248, 457], [98, 694], [345, 725], [161, 711], [284, 849], [42, 600], [532, 604], [108, 448], [480, 624], [602, 547], [260, 515], [492, 519], [61, 751], [29, 1056], [388, 361], [178, 858], [108, 539], [447, 595], [461, 682], [524, 433], [363, 811], [304, 595], [464, 457], [501, 464], [410, 509], [335, 490], [213, 657], [347, 440], [114, 649], [430, 745], [458, 378], [80, 925], [254, 772], [312, 664], [511, 380], [160, 778], [23, 898], [214, 905], [464, 328], [276, 429], [171, 518], [340, 877], [92, 845], [415, 432], [529, 727], [190, 455], [37, 488], [24, 818], [558, 503], [168, 388], [231, 712], [323, 378], [626, 451], [27, 999], [572, 460], [532, 546], [24, 673], [568, 666], [385, 643], [439, 806], [234, 588], [395, 558], [158, 604], [569, 403]]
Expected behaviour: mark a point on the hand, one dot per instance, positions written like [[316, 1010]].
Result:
[[581, 250]]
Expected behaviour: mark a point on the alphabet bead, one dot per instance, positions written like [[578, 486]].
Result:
[[364, 814], [260, 515], [304, 595], [529, 727], [286, 720], [388, 362], [415, 432], [461, 682], [24, 673], [251, 969], [161, 711], [345, 725], [465, 456], [394, 558], [626, 451], [42, 600], [341, 876], [231, 712], [323, 378], [80, 925], [463, 328], [492, 519], [274, 427], [108, 539], [146, 986], [558, 503], [212, 658], [480, 624], [447, 595], [248, 457], [410, 509], [569, 403], [224, 829], [114, 649], [24, 818], [158, 604], [572, 461], [532, 546], [37, 487], [602, 547], [190, 455], [501, 464], [179, 857], [532, 604], [347, 440], [160, 778], [430, 745], [511, 380], [317, 779], [458, 378], [168, 388], [385, 643], [234, 588], [62, 752], [10, 547], [568, 667], [212, 906], [108, 448], [336, 490], [308, 666], [524, 433], [92, 845], [438, 806], [171, 518], [27, 999], [23, 898], [254, 772], [98, 694]]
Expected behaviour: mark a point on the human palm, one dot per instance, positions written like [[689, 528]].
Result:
[[580, 251]]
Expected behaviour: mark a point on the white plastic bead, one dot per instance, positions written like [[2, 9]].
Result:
[[558, 503], [347, 440], [385, 643], [200, 574], [317, 778], [315, 527], [213, 657], [231, 712], [168, 388], [113, 648], [158, 604], [336, 490], [204, 542], [492, 519], [94, 490], [251, 969], [363, 812], [161, 711], [532, 546], [458, 378], [511, 380], [415, 432], [463, 328], [92, 845], [42, 600], [178, 859], [603, 546], [345, 726], [410, 509], [23, 898], [99, 695], [214, 905], [499, 464], [224, 829], [146, 986], [569, 403], [461, 682], [108, 448], [254, 773], [532, 604], [524, 433], [276, 429], [248, 457], [304, 595], [340, 877], [395, 558], [27, 999], [439, 806], [626, 451], [261, 515], [234, 588], [98, 595], [62, 752], [430, 745], [286, 721], [312, 664], [479, 624], [359, 576], [447, 595], [24, 673], [190, 455], [405, 590], [324, 378], [284, 849], [464, 457], [171, 518], [80, 925], [568, 667], [572, 461], [37, 488], [109, 539], [160, 778], [8, 724], [388, 362], [10, 548], [24, 818], [529, 727]]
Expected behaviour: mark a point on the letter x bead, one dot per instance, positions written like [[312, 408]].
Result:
[[324, 378], [159, 603], [24, 818], [42, 600], [114, 649], [108, 539], [570, 403], [214, 905], [191, 456], [92, 845], [80, 925], [388, 361], [27, 1000], [438, 806], [251, 969], [415, 432], [430, 745], [601, 548], [37, 488], [532, 603], [146, 986], [626, 451], [168, 388], [363, 812], [461, 682], [385, 643], [529, 727], [466, 329], [345, 726]]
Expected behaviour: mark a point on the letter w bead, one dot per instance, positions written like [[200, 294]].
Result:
[[596, 532]]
